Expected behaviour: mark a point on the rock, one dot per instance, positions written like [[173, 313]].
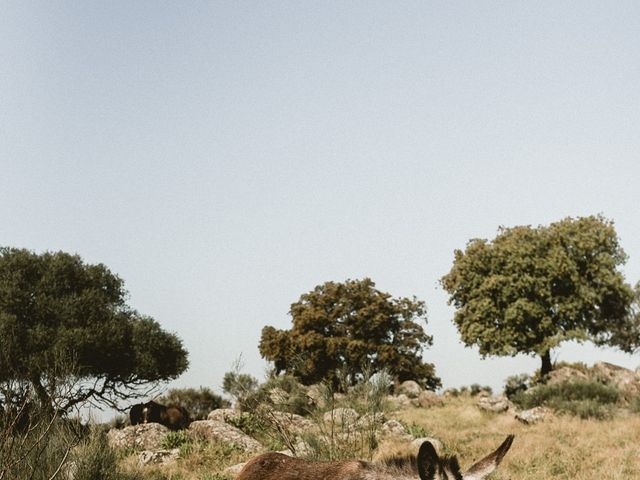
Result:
[[627, 381], [393, 427], [278, 396], [317, 396], [223, 414], [533, 415], [370, 421], [290, 422], [437, 444], [223, 432], [428, 399], [398, 401], [234, 470], [145, 436], [493, 404], [158, 457], [342, 417], [410, 388], [565, 374]]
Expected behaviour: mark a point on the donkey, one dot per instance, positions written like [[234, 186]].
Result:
[[428, 465]]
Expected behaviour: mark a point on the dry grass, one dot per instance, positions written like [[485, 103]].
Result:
[[560, 448]]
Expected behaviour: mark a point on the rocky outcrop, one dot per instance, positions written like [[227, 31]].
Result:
[[565, 374], [410, 388], [428, 399], [493, 404], [344, 418], [224, 414], [533, 415], [222, 432], [627, 381], [146, 436]]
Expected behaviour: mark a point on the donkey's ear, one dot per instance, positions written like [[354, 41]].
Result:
[[428, 461], [488, 464]]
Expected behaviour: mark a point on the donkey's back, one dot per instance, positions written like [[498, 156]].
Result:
[[276, 466], [428, 465]]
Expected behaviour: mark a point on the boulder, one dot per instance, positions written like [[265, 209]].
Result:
[[158, 457], [493, 404], [290, 422], [565, 374], [410, 388], [345, 418], [317, 396], [428, 399], [145, 436], [393, 427], [627, 381], [533, 415], [213, 430], [437, 444], [398, 402], [223, 414], [234, 470]]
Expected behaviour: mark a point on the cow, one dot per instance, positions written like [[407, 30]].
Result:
[[173, 417], [135, 414]]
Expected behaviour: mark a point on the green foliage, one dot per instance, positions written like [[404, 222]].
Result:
[[354, 327], [530, 289], [198, 402], [516, 384], [284, 393], [583, 398], [249, 423], [635, 405], [175, 439], [94, 459], [476, 389], [239, 385], [63, 319]]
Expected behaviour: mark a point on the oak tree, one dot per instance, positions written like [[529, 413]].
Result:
[[66, 323], [349, 329], [532, 288]]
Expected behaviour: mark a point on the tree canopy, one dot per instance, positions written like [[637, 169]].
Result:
[[66, 323], [530, 289], [349, 329]]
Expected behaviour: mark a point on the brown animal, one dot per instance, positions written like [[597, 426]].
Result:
[[173, 417], [428, 465]]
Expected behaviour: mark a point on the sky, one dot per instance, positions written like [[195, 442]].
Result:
[[224, 158]]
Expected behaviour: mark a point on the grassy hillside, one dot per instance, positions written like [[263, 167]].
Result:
[[561, 447]]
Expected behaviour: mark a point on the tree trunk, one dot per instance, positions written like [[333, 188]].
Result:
[[546, 364], [42, 394]]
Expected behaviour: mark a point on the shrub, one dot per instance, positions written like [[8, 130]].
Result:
[[476, 389], [294, 400], [516, 384], [582, 398], [198, 402]]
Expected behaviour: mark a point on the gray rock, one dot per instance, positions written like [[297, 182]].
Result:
[[345, 418], [223, 432], [437, 444], [146, 436], [410, 388], [428, 399], [533, 415], [493, 404], [158, 457], [223, 414]]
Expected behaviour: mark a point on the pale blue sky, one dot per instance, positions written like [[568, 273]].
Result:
[[226, 157]]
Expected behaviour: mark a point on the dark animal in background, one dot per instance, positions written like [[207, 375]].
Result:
[[135, 414], [173, 417]]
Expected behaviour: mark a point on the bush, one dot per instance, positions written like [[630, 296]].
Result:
[[294, 400], [582, 398], [198, 402], [516, 384], [476, 389]]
